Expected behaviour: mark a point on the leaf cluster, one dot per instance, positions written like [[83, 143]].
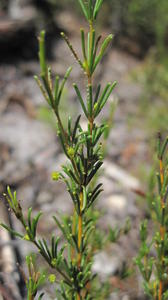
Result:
[[35, 279], [90, 8]]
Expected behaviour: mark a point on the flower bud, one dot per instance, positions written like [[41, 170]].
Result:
[[55, 176], [71, 152], [52, 278]]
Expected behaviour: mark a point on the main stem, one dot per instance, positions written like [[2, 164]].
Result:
[[79, 257], [30, 297], [80, 229], [78, 296]]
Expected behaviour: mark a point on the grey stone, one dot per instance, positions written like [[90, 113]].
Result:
[[121, 176], [106, 265], [26, 137]]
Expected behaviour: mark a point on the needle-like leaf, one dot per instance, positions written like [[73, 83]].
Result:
[[84, 9], [80, 99]]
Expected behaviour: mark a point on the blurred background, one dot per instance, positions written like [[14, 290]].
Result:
[[29, 150]]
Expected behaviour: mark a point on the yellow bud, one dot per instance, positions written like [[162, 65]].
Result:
[[71, 152], [54, 262], [56, 176], [52, 278], [26, 237]]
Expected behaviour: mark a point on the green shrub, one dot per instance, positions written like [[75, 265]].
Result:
[[153, 77], [72, 259], [83, 150], [152, 259], [144, 20]]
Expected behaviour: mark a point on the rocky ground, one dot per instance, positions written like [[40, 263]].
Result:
[[30, 152]]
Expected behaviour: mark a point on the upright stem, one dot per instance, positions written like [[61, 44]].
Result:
[[79, 257], [73, 232], [30, 297], [162, 227], [78, 297], [91, 121], [80, 230], [161, 171], [160, 290]]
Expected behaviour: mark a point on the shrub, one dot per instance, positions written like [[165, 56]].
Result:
[[152, 258], [84, 153], [143, 20]]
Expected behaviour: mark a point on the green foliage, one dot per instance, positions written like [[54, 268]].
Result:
[[153, 77], [154, 268], [73, 258], [90, 9], [90, 58], [143, 19], [115, 233], [151, 16], [35, 279]]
